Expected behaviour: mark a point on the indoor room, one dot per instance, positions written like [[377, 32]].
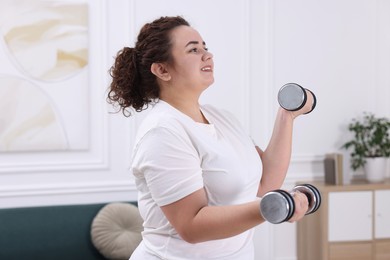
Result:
[[73, 168]]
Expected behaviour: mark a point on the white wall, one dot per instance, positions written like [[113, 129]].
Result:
[[337, 48]]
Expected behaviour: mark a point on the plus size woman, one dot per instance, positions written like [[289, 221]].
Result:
[[199, 175]]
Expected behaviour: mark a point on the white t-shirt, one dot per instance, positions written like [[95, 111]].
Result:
[[175, 156]]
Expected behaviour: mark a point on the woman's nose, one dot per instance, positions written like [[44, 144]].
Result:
[[207, 55]]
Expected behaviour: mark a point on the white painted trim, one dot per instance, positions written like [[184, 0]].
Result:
[[87, 165], [270, 51], [103, 65], [245, 85], [65, 189], [67, 194]]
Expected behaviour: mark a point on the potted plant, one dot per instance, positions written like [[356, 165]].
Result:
[[370, 146]]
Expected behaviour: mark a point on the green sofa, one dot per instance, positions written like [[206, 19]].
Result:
[[48, 232]]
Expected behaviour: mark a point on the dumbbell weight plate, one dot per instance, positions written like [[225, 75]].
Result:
[[292, 97], [317, 197], [277, 206], [314, 101], [313, 196]]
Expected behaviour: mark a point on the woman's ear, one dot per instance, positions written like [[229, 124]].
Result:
[[160, 70]]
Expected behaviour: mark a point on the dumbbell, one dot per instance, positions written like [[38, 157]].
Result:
[[293, 97], [278, 206]]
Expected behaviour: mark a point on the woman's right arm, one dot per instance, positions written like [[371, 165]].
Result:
[[196, 221]]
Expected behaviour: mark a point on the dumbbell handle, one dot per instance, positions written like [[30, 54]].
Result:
[[313, 196], [278, 206]]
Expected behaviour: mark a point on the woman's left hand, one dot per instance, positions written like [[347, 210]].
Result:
[[307, 107], [301, 206]]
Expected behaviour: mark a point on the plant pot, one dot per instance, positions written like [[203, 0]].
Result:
[[375, 169]]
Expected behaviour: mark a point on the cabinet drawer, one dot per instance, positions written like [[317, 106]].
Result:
[[350, 251]]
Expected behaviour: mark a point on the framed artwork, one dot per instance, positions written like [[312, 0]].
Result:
[[44, 72]]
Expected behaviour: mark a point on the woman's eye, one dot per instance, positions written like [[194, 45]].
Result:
[[196, 50]]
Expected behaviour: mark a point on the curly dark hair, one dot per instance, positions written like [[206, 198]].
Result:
[[133, 84]]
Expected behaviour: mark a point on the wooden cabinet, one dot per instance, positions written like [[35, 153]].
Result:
[[353, 223]]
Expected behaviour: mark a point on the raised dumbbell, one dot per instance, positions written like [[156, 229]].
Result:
[[278, 206], [293, 97]]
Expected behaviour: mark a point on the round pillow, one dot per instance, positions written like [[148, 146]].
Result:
[[116, 230]]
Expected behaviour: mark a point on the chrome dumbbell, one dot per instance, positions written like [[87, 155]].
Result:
[[278, 206], [293, 97]]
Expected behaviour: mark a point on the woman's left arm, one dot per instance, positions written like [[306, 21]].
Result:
[[276, 157]]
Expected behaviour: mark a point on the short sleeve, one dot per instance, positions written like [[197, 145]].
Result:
[[169, 163]]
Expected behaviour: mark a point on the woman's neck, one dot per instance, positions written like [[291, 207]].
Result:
[[187, 107]]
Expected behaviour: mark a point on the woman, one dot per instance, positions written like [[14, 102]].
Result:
[[198, 173]]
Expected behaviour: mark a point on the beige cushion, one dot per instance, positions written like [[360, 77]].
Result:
[[116, 230]]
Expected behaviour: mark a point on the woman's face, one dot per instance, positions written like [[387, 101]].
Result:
[[193, 65]]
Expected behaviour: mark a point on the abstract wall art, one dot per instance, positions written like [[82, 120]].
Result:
[[44, 90]]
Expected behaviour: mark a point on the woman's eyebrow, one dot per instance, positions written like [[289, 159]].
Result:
[[195, 42]]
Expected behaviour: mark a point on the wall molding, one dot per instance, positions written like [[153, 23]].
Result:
[[245, 37], [66, 189], [85, 165], [67, 194]]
